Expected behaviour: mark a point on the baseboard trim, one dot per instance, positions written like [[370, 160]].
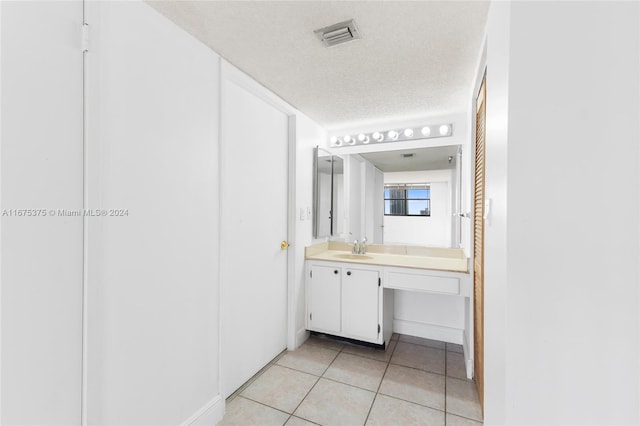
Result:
[[209, 414], [468, 361], [301, 336], [429, 331]]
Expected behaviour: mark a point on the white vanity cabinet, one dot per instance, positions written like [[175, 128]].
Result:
[[347, 301]]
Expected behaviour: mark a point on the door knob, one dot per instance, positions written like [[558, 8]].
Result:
[[284, 245]]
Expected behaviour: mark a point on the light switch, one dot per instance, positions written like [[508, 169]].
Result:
[[302, 213], [308, 213]]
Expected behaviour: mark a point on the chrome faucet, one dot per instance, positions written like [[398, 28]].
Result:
[[360, 248]]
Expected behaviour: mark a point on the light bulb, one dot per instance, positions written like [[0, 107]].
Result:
[[338, 143], [444, 129], [392, 134], [333, 140], [361, 137], [347, 139], [377, 136], [365, 140], [408, 133], [426, 131]]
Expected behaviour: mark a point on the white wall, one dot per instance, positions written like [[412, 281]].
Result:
[[377, 236], [152, 307], [354, 194], [495, 232], [573, 70], [369, 192], [434, 230], [324, 203], [338, 205], [41, 168], [308, 136], [427, 311], [151, 322]]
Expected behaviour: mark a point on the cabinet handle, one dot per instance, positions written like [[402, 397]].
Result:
[[348, 272], [335, 272]]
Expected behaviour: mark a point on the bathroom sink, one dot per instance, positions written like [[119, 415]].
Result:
[[353, 256]]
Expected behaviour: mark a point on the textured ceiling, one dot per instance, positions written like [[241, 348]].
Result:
[[415, 58], [423, 159]]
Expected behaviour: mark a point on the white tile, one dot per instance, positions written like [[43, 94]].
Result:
[[452, 347], [453, 420], [309, 358], [422, 341], [388, 411], [455, 365], [421, 357], [357, 371], [297, 421], [281, 388], [462, 399], [326, 342], [414, 385], [373, 353], [243, 412], [333, 403]]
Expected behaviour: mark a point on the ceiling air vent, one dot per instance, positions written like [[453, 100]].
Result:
[[339, 33]]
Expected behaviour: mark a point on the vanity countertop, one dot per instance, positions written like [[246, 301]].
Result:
[[441, 259]]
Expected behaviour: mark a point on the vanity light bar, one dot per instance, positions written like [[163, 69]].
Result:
[[393, 135]]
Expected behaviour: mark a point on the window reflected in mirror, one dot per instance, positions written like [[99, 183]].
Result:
[[409, 199]]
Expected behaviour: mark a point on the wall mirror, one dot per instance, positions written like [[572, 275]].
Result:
[[328, 194], [409, 196]]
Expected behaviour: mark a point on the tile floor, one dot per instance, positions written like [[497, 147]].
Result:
[[328, 382]]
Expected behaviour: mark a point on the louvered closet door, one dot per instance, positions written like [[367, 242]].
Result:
[[478, 245]]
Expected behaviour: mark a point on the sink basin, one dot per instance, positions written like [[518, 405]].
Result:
[[353, 256]]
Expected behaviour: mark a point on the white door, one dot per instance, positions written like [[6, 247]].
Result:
[[254, 157]]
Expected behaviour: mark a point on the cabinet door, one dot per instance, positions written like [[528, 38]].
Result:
[[323, 303], [360, 294]]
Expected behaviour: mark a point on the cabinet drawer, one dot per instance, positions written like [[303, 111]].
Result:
[[422, 282]]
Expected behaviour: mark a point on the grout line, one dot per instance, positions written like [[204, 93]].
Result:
[[423, 346], [417, 403], [349, 384], [268, 406], [332, 361], [306, 420], [376, 393], [446, 366], [420, 369], [464, 417], [253, 378], [316, 382], [305, 397], [381, 380], [298, 370]]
